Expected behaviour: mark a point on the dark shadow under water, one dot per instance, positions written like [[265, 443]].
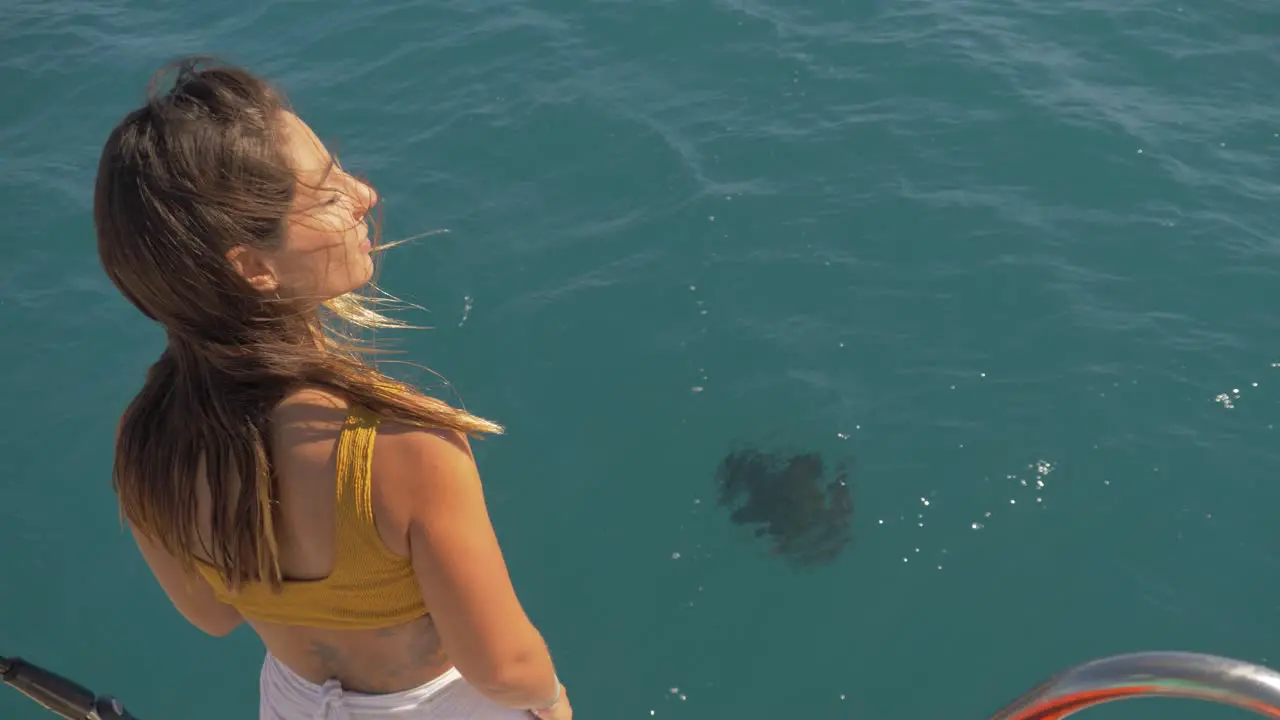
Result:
[[787, 498]]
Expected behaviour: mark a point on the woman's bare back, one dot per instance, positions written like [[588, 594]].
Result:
[[369, 661], [307, 426]]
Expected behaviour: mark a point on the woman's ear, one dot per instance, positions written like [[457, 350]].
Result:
[[255, 269]]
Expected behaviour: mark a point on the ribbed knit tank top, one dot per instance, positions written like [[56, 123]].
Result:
[[370, 587]]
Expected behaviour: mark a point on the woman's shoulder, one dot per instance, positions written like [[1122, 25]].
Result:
[[311, 414], [311, 406], [411, 461], [307, 422], [426, 478]]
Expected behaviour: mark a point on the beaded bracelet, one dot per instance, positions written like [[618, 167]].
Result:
[[554, 701]]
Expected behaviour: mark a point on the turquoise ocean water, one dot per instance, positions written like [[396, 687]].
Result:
[[1014, 262]]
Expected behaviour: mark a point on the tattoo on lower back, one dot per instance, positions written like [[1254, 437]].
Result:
[[330, 659], [423, 650]]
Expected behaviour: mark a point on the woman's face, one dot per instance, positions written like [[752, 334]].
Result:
[[327, 248]]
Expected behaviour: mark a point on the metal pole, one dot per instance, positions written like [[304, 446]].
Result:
[[58, 694]]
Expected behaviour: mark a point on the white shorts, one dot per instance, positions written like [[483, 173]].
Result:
[[288, 696]]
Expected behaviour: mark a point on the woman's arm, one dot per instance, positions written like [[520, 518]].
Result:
[[433, 478], [190, 594]]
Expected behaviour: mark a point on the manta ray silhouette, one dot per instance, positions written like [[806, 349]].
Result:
[[807, 519]]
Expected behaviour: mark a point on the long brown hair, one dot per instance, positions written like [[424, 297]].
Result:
[[198, 170]]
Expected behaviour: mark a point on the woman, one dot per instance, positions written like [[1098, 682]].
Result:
[[247, 468]]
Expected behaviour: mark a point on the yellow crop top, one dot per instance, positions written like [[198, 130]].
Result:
[[370, 586]]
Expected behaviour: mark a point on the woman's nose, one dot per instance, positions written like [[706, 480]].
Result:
[[366, 198]]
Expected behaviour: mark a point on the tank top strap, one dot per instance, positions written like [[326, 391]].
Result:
[[356, 529]]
